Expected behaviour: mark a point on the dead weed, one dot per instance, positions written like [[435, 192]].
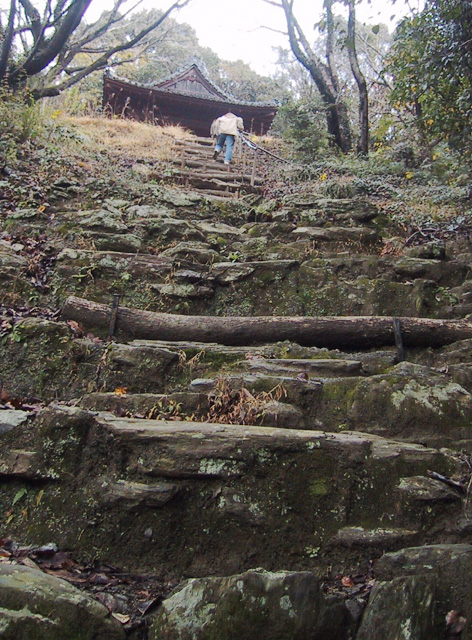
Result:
[[137, 139], [240, 406]]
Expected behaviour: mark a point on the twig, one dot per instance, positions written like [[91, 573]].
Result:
[[458, 486]]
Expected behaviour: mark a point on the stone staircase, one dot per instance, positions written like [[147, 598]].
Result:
[[191, 459], [195, 167]]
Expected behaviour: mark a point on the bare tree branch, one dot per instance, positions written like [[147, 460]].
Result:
[[53, 47], [98, 29], [34, 19], [56, 41], [102, 62], [44, 51]]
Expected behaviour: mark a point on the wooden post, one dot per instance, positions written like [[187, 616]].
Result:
[[114, 313], [254, 165], [398, 340]]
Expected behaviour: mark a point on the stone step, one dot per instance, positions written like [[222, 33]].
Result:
[[200, 498], [359, 281], [284, 236], [428, 403], [203, 182], [188, 405], [341, 235], [371, 360], [196, 141], [397, 269], [147, 405], [206, 165], [415, 403], [206, 174], [220, 171], [321, 403], [203, 154], [167, 280], [212, 181], [408, 401], [67, 361], [295, 390], [91, 263], [311, 368], [216, 194], [355, 274]]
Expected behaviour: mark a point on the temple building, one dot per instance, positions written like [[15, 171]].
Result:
[[187, 98]]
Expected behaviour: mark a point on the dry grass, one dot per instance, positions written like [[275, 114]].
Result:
[[107, 157], [240, 406], [130, 138]]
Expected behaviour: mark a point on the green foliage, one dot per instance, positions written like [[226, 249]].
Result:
[[431, 66], [239, 80], [304, 124], [20, 122], [337, 188], [373, 187], [19, 495]]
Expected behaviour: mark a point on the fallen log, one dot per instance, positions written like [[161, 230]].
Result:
[[347, 332]]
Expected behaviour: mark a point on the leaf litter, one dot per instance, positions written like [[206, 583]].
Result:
[[129, 597]]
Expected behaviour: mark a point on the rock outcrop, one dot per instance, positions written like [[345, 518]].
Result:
[[34, 605], [256, 603]]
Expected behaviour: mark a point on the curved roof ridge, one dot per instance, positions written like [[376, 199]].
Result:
[[199, 63]]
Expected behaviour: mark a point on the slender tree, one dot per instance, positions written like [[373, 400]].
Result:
[[363, 140], [323, 73], [8, 36]]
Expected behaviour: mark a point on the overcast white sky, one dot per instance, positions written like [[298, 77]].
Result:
[[234, 29]]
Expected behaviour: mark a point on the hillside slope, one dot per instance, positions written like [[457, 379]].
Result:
[[185, 459]]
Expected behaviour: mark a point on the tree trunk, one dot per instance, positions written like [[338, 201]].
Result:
[[49, 49], [336, 112], [338, 124], [7, 40], [342, 134], [334, 332], [363, 142]]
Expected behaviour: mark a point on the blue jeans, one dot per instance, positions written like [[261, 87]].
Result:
[[220, 141]]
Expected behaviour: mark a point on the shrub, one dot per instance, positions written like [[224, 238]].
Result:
[[338, 188], [303, 124], [20, 122]]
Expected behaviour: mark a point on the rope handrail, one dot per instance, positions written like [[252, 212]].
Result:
[[256, 147]]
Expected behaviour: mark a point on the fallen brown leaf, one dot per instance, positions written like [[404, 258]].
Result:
[[121, 617]]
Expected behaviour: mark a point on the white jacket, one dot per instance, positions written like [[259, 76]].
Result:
[[229, 124]]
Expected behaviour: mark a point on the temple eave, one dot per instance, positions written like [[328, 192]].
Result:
[[192, 111]]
